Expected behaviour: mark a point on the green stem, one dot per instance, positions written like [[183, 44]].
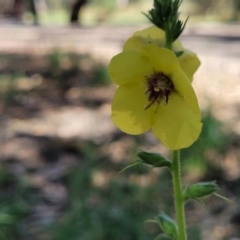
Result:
[[178, 199], [168, 35]]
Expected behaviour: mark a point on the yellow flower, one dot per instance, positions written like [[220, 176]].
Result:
[[154, 93], [189, 61]]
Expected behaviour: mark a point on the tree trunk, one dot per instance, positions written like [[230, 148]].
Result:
[[33, 10], [76, 9], [17, 9]]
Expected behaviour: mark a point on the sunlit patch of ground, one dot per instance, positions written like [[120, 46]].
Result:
[[59, 143]]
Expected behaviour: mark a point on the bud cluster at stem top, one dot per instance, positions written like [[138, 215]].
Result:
[[165, 16]]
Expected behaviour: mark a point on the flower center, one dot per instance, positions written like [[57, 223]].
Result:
[[159, 88]]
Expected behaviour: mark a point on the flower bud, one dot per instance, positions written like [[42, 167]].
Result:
[[154, 159], [200, 190], [168, 226], [166, 12]]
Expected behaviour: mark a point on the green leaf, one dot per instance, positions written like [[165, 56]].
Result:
[[224, 198], [151, 221], [200, 202], [131, 165], [154, 159], [162, 236], [179, 54]]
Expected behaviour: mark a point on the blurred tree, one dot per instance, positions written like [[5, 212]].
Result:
[[17, 9], [33, 10], [75, 11], [236, 10]]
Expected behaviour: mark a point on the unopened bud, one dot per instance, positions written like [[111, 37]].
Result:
[[168, 226], [200, 190], [154, 159], [165, 13]]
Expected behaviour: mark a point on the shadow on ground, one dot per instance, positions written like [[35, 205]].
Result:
[[61, 157]]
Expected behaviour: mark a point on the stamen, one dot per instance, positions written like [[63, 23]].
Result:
[[159, 89]]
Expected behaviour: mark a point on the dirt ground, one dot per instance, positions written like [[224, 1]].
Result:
[[216, 83], [217, 45]]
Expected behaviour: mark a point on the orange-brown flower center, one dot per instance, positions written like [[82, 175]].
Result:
[[159, 88]]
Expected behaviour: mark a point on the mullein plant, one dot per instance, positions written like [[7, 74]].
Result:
[[154, 73]]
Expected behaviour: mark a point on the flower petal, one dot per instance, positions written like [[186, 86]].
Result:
[[129, 66], [135, 44], [183, 87], [128, 109], [176, 125], [152, 32], [177, 46], [162, 59], [146, 36], [189, 63]]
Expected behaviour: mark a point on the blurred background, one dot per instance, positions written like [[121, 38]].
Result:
[[60, 154]]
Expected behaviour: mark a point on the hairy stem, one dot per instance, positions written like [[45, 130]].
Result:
[[178, 198]]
